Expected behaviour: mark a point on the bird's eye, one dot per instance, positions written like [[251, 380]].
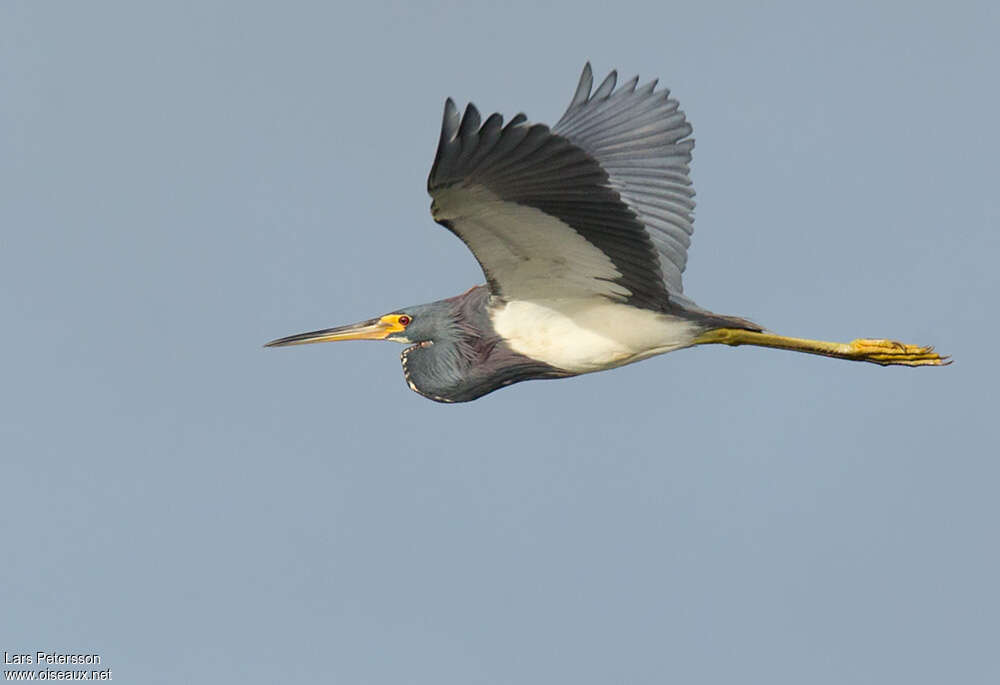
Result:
[[404, 320]]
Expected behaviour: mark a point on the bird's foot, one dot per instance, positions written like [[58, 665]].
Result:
[[886, 352]]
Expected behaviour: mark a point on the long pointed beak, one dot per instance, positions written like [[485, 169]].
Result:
[[373, 329]]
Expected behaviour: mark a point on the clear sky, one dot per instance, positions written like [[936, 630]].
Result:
[[181, 182]]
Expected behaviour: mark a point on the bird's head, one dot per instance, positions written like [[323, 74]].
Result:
[[454, 353], [412, 325]]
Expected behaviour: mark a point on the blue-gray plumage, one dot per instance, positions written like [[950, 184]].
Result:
[[458, 356], [582, 232]]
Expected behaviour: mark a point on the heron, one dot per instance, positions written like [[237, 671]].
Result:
[[582, 232]]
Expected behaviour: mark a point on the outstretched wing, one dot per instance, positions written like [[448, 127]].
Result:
[[598, 205]]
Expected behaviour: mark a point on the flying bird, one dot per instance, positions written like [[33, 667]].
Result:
[[582, 231]]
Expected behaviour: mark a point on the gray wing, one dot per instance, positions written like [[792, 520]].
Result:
[[598, 205], [639, 136]]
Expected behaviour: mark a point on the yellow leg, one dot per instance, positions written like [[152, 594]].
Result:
[[884, 352]]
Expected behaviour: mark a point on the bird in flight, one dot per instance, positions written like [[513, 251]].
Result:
[[582, 232]]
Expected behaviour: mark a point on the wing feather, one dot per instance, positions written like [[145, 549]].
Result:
[[598, 205], [640, 138]]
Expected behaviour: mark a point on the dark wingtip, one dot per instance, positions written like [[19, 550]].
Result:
[[450, 121], [517, 120], [471, 121], [607, 86], [582, 93]]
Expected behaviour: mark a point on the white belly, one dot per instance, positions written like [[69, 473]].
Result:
[[582, 335]]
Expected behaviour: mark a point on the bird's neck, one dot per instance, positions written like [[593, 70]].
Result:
[[469, 359]]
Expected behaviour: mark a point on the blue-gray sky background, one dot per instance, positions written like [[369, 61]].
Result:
[[181, 182]]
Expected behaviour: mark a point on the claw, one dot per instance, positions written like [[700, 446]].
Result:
[[887, 352]]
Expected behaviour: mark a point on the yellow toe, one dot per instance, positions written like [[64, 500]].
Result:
[[886, 352]]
